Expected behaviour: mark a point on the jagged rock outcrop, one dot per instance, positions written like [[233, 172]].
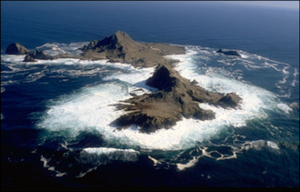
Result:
[[28, 58], [234, 53], [175, 98], [31, 57], [16, 49]]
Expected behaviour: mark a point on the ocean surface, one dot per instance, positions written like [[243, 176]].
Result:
[[55, 115]]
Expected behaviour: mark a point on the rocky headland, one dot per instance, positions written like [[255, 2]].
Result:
[[176, 97]]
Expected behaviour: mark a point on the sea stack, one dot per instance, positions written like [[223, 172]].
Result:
[[16, 49]]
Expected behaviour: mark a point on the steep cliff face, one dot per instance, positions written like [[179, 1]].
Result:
[[176, 97]]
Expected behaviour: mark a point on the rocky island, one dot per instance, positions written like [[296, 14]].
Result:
[[176, 97]]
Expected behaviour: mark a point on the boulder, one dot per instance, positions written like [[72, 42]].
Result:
[[28, 58], [231, 100], [16, 49]]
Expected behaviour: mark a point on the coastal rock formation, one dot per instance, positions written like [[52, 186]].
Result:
[[234, 53], [121, 48], [175, 98], [16, 49], [28, 58], [37, 55]]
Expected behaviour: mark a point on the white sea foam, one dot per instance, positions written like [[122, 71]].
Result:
[[284, 107], [51, 168], [135, 77], [13, 58], [259, 144], [244, 56], [62, 48], [272, 145], [114, 153]]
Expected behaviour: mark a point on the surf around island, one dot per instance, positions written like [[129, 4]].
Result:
[[176, 96]]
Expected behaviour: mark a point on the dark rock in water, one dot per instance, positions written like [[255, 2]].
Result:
[[28, 58], [16, 49], [37, 55], [234, 53], [175, 98], [229, 100]]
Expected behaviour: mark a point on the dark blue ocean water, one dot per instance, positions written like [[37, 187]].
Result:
[[55, 114]]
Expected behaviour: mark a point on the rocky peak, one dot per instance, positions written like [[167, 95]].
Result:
[[120, 41], [163, 78], [17, 49]]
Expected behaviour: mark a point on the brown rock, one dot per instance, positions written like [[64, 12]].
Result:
[[121, 48], [176, 97], [31, 57], [230, 100], [28, 58]]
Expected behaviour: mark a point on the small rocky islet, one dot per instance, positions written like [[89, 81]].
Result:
[[176, 96]]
